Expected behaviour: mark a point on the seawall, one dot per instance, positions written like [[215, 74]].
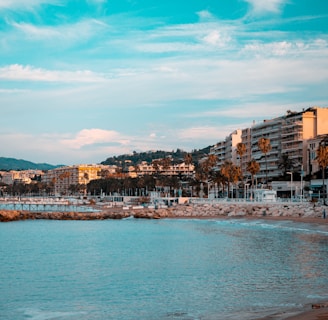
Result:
[[216, 210]]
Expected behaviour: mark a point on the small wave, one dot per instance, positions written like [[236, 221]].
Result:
[[37, 314], [282, 225]]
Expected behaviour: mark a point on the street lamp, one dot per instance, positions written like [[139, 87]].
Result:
[[291, 184], [245, 191]]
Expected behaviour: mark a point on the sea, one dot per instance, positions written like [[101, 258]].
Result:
[[160, 269]]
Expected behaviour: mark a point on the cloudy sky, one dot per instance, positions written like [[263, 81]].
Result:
[[82, 80]]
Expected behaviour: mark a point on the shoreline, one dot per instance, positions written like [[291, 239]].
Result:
[[310, 312]]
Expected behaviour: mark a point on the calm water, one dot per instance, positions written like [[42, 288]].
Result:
[[159, 269]]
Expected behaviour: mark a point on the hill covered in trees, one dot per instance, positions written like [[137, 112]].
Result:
[[7, 164], [149, 156]]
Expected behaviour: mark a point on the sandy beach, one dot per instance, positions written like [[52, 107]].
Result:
[[307, 314]]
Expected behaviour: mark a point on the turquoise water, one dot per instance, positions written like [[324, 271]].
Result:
[[160, 269]]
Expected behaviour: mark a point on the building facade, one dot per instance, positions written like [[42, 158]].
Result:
[[62, 179], [178, 169], [294, 135]]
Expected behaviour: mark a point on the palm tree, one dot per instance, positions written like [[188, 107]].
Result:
[[231, 172], [253, 168], [65, 175], [241, 150], [156, 166], [86, 178], [265, 146], [165, 163], [218, 179], [206, 167], [286, 164], [322, 158], [188, 159]]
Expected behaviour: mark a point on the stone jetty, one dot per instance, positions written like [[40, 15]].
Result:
[[204, 210]]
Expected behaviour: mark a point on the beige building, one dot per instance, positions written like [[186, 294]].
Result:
[[145, 168], [227, 149], [22, 176], [313, 144], [298, 129], [64, 177]]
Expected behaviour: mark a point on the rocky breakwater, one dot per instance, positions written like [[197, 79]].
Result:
[[234, 209], [213, 210], [15, 215]]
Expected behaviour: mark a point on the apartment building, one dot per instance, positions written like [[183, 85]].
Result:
[[231, 146], [269, 164], [219, 150], [145, 168], [64, 177], [312, 147], [22, 176], [227, 149], [291, 134], [298, 129]]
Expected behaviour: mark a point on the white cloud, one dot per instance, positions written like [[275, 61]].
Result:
[[275, 48], [8, 4], [266, 6], [93, 136], [202, 133], [216, 38], [205, 15], [17, 72], [83, 29]]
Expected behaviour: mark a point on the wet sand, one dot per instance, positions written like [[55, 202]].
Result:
[[315, 314], [307, 314]]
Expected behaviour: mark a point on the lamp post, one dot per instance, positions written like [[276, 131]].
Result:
[[245, 191], [291, 184], [302, 173]]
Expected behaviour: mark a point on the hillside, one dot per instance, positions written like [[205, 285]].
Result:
[[177, 156], [7, 164]]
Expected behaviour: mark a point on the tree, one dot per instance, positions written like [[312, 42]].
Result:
[[231, 172], [203, 172], [286, 164], [188, 159], [86, 178], [241, 150], [218, 179], [265, 146], [322, 158], [165, 163], [65, 175], [253, 168], [156, 166]]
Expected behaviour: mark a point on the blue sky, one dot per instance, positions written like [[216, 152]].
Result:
[[87, 79]]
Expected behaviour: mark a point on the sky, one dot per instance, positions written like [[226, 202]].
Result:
[[84, 80]]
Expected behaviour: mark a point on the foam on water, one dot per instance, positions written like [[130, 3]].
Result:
[[37, 314]]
